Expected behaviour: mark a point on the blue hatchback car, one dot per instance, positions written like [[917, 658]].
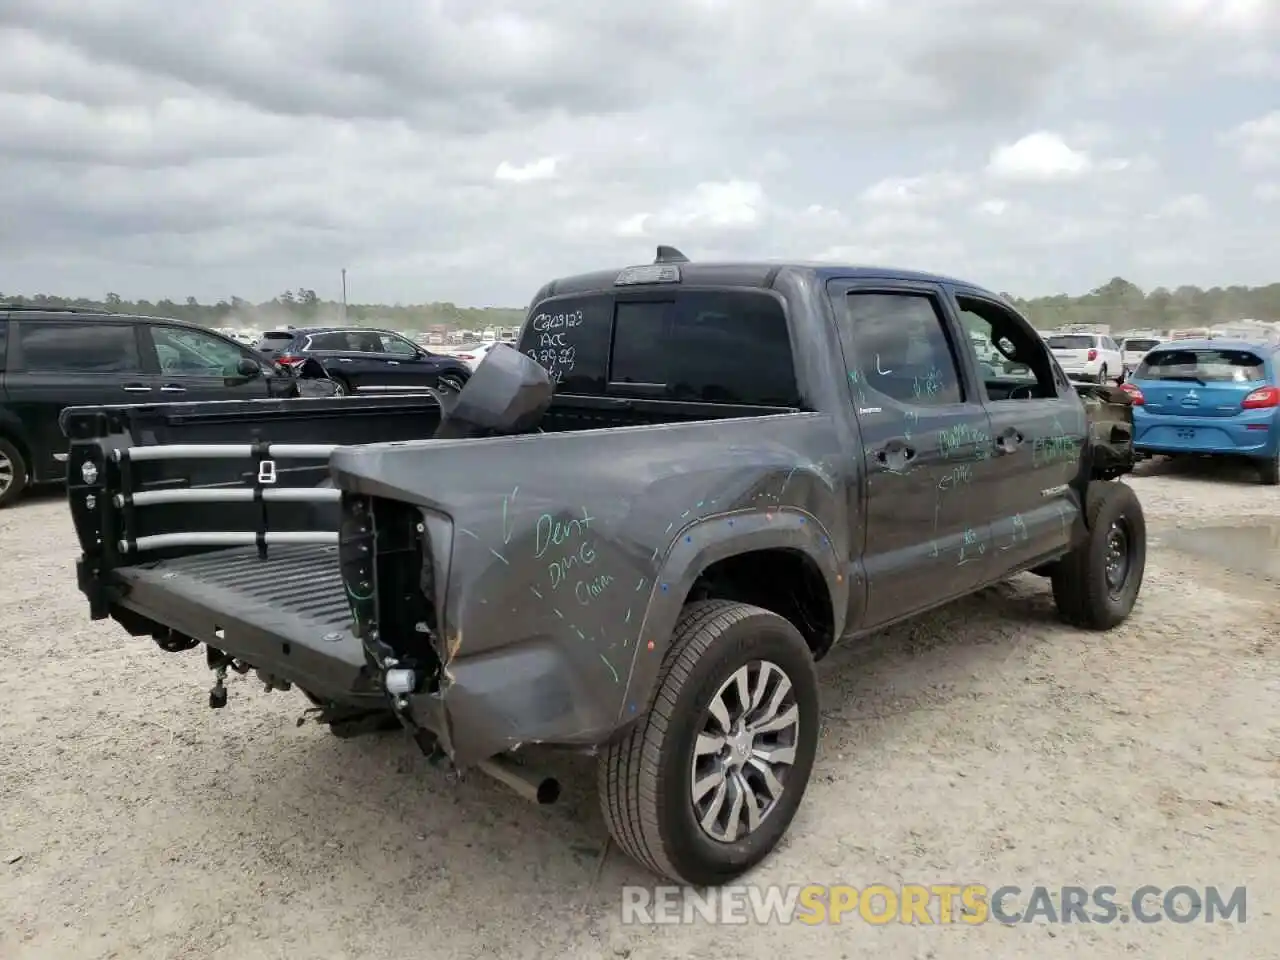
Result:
[[1209, 397]]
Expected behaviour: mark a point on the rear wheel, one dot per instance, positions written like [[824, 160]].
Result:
[[1269, 470], [704, 787], [451, 381], [1096, 585], [13, 472], [341, 388]]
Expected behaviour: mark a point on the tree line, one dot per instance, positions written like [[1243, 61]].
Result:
[[301, 307], [1122, 304]]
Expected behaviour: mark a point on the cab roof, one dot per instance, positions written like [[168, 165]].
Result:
[[760, 274]]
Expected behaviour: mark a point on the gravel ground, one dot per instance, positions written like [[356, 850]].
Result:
[[984, 743]]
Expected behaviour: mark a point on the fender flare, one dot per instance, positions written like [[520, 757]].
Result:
[[697, 547]]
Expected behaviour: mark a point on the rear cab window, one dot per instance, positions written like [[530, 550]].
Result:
[[1070, 342], [1202, 365], [274, 342], [707, 346]]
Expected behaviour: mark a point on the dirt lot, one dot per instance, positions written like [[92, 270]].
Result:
[[985, 743]]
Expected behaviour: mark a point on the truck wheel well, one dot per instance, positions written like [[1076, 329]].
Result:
[[786, 582]]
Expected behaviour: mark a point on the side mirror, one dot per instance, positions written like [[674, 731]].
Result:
[[248, 367]]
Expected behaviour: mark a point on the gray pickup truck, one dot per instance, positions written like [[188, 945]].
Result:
[[631, 536]]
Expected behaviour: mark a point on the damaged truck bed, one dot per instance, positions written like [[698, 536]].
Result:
[[634, 535]]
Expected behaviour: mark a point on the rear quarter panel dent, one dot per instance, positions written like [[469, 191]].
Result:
[[706, 542]]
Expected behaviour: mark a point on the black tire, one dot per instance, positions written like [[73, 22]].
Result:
[[1102, 374], [343, 388], [646, 778], [13, 477], [1269, 471], [453, 381], [1082, 590]]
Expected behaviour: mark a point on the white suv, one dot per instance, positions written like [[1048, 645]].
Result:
[[1087, 356], [1134, 349]]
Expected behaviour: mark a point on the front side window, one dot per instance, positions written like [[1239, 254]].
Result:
[[899, 349], [397, 345], [78, 347], [195, 353]]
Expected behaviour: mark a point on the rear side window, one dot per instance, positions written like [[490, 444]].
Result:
[[345, 341], [78, 347], [1221, 366]]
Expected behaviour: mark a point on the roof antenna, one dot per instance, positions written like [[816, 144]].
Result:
[[669, 255]]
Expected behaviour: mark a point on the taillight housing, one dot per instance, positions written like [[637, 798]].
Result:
[[1261, 399], [1135, 395], [289, 361], [1093, 355], [465, 356]]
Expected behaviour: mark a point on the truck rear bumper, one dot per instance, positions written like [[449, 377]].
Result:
[[286, 615]]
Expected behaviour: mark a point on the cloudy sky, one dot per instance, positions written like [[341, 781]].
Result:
[[468, 150]]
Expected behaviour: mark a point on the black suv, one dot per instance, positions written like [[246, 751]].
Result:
[[364, 360], [56, 358]]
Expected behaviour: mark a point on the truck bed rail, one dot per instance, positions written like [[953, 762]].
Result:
[[262, 490]]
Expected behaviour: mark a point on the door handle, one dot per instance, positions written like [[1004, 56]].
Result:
[[1009, 441], [172, 388], [895, 454], [136, 388]]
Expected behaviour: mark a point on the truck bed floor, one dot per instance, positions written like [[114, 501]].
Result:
[[288, 611]]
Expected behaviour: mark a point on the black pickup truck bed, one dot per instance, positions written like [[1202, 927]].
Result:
[[276, 606]]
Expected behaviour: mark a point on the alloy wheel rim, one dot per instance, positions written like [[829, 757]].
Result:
[[6, 473], [744, 752], [1118, 563]]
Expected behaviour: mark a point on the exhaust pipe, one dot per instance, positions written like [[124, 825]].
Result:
[[531, 785]]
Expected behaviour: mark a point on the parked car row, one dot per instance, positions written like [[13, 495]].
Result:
[[364, 360], [51, 359]]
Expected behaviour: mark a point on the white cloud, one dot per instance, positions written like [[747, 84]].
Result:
[[1267, 192], [1188, 206], [1258, 141], [914, 191], [470, 152], [541, 169], [1038, 157], [726, 205]]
